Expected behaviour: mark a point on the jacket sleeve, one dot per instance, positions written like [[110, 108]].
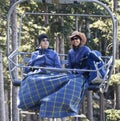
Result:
[[33, 58], [30, 63]]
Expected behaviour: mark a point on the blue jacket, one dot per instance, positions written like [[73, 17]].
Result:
[[84, 58], [77, 57], [44, 58]]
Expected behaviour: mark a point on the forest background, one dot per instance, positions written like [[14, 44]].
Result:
[[98, 35]]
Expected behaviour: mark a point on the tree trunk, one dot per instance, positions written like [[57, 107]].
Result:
[[2, 104], [117, 96], [46, 17], [61, 51], [14, 109], [89, 106], [117, 89], [61, 39], [102, 113], [7, 105], [115, 5], [83, 106]]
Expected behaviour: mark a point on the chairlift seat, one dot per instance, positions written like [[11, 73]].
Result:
[[95, 83]]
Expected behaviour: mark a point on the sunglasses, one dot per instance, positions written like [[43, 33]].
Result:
[[45, 39], [74, 38]]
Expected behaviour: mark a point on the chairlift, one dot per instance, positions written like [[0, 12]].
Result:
[[16, 53], [19, 64]]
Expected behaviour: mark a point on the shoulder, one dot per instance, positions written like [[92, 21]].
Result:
[[35, 52], [52, 51], [85, 47], [98, 53], [70, 51]]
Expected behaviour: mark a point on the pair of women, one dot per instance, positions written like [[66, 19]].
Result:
[[47, 57]]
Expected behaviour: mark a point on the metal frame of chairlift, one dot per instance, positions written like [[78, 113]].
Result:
[[15, 52]]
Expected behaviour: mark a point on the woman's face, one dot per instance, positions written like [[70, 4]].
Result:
[[75, 41], [44, 43]]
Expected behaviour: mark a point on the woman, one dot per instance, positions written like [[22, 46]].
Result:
[[81, 57], [44, 56], [78, 53]]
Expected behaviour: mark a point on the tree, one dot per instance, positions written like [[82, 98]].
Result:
[[14, 110], [2, 103]]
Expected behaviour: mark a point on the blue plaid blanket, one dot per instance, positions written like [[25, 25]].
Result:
[[53, 95]]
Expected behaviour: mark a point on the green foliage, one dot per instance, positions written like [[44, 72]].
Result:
[[117, 63], [112, 115], [3, 11], [4, 6], [115, 78]]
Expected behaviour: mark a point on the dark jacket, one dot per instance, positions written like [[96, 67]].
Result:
[[77, 57], [44, 58], [84, 58]]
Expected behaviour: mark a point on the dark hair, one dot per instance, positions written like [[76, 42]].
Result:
[[41, 36]]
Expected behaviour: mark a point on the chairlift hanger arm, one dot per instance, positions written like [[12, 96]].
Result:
[[8, 22]]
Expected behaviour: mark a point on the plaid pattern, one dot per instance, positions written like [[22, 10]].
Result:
[[53, 95]]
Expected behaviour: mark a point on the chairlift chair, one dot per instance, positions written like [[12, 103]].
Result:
[[13, 65]]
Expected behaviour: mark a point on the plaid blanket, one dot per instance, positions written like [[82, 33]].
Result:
[[54, 96]]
